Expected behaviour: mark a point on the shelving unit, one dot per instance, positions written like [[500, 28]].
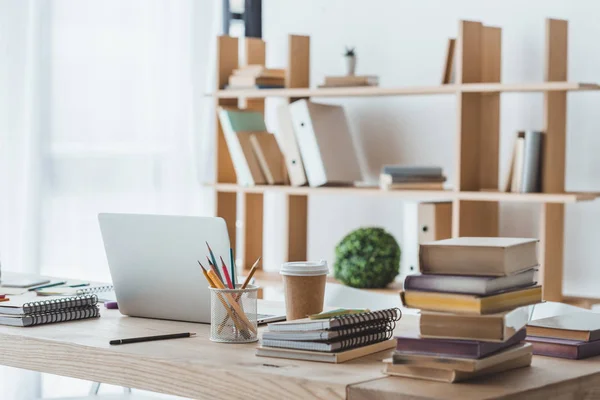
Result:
[[475, 196], [409, 91]]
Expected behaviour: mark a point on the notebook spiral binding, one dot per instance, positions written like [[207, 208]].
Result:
[[36, 307], [377, 326], [358, 341], [95, 289], [392, 315], [64, 315]]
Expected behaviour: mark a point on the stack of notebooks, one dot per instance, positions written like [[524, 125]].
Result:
[[24, 312], [257, 77], [473, 294], [333, 340], [575, 335], [409, 177], [350, 81]]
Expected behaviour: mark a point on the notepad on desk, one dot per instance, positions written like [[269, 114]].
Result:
[[24, 312], [104, 292]]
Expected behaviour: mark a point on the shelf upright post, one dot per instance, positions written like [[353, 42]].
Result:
[[226, 202], [552, 219], [478, 59]]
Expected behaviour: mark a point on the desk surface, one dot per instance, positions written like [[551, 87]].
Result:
[[199, 368]]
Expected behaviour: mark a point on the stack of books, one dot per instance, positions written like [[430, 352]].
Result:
[[575, 335], [22, 311], [335, 340], [410, 177], [474, 295], [350, 81], [257, 77]]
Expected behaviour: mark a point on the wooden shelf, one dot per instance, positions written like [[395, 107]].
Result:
[[571, 197], [375, 91]]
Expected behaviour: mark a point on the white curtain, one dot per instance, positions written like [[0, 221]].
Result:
[[102, 109]]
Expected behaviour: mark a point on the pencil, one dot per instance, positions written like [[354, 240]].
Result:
[[214, 268], [214, 260], [152, 338], [230, 313], [227, 278], [236, 307], [232, 262], [206, 275], [252, 271]]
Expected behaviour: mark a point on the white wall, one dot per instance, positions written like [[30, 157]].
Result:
[[403, 41]]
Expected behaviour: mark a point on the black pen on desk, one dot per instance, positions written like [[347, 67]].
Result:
[[152, 338], [46, 286], [80, 285]]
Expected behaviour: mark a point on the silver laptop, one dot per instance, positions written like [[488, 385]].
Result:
[[153, 261]]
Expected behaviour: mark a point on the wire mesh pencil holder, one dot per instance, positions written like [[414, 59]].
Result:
[[233, 315]]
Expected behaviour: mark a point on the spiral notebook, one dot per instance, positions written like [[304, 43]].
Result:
[[327, 335], [22, 307], [71, 314], [339, 322], [68, 291], [331, 346]]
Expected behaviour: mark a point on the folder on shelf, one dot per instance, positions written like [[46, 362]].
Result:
[[269, 157], [289, 146]]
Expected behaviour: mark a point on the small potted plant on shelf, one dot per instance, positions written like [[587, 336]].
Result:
[[350, 61]]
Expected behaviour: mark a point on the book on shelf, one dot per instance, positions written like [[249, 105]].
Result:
[[452, 376], [563, 348], [462, 348], [269, 157], [392, 182], [487, 256], [471, 304], [460, 363], [525, 169], [245, 164], [582, 326], [449, 69], [260, 71], [480, 285], [253, 87], [399, 170], [286, 138], [325, 143], [498, 327], [350, 81], [246, 81], [336, 358], [250, 157]]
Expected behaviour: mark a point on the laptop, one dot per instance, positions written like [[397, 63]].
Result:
[[153, 263]]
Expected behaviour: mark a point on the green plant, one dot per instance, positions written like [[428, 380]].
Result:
[[349, 52], [367, 258]]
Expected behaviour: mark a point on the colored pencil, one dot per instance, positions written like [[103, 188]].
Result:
[[232, 262], [212, 255], [227, 278], [214, 269]]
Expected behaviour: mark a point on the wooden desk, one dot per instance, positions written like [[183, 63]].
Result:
[[198, 368]]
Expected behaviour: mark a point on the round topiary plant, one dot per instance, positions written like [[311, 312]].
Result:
[[367, 258]]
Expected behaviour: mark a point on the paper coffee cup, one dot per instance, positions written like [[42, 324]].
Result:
[[304, 286]]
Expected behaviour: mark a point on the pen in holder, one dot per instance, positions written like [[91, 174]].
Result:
[[233, 314]]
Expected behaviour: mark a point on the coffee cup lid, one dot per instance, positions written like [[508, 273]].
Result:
[[304, 268]]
